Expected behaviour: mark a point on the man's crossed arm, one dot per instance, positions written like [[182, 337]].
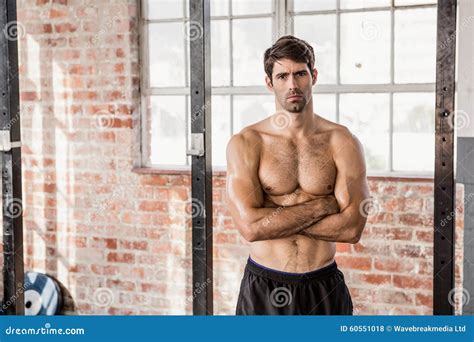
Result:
[[330, 217]]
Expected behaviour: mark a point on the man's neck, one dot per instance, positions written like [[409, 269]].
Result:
[[301, 124]]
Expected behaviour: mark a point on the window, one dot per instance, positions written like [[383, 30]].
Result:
[[375, 58]]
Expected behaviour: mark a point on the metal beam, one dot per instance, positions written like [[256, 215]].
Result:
[[199, 36], [13, 273], [444, 185]]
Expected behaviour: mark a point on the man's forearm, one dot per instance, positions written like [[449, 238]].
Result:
[[283, 221], [340, 227]]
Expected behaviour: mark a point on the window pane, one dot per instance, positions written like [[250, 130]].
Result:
[[414, 2], [220, 128], [251, 37], [325, 106], [367, 117], [168, 141], [166, 55], [220, 51], [313, 5], [165, 9], [219, 7], [413, 131], [323, 43], [347, 4], [248, 109], [240, 7], [365, 47], [415, 63]]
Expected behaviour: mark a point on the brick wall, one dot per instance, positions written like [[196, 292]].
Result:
[[120, 240]]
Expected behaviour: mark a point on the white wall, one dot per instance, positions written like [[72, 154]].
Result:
[[465, 69]]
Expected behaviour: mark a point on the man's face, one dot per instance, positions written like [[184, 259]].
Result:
[[292, 84]]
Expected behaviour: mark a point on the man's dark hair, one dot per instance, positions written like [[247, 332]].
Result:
[[289, 47]]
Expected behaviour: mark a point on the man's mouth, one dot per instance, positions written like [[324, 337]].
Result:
[[294, 97]]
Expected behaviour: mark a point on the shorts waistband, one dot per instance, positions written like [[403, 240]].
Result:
[[289, 277]]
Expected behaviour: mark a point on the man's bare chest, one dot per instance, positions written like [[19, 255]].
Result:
[[286, 167]]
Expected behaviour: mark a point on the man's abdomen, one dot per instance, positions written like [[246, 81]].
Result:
[[295, 254]]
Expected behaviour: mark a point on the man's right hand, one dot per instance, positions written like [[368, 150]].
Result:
[[332, 205], [324, 204]]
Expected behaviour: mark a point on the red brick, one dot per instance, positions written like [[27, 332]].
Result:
[[105, 270], [410, 282], [84, 95], [65, 28], [108, 243], [416, 190], [411, 251], [154, 179], [358, 263], [153, 206], [120, 284], [374, 279], [426, 236], [29, 96], [426, 300], [393, 265], [389, 233], [120, 257], [343, 248], [370, 248], [56, 13], [392, 297], [136, 245], [391, 204], [226, 238], [380, 217]]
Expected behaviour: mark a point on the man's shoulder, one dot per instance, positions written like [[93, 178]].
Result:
[[335, 130], [343, 140], [248, 139]]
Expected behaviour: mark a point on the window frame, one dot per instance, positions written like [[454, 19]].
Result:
[[282, 23]]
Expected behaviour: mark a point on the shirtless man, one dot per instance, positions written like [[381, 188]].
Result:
[[295, 185]]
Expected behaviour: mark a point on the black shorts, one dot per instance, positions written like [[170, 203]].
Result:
[[265, 291]]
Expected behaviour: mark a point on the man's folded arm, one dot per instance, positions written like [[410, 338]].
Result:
[[351, 191], [245, 197]]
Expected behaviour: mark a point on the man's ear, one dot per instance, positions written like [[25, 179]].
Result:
[[315, 75], [269, 83]]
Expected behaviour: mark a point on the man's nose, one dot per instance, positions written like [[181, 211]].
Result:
[[292, 82]]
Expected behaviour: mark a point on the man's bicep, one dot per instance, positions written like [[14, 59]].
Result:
[[244, 191], [351, 181]]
